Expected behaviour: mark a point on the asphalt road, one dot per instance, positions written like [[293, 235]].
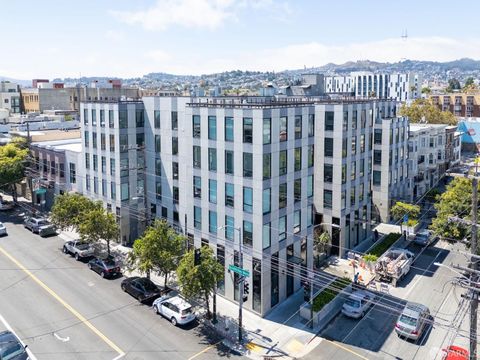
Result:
[[373, 337], [64, 311]]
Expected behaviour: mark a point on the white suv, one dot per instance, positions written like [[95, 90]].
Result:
[[357, 304], [176, 309]]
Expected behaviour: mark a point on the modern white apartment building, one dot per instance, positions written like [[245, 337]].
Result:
[[361, 84], [429, 153], [114, 161], [10, 97], [260, 170]]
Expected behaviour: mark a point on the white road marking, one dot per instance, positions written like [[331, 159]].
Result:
[[119, 357], [9, 328], [61, 338]]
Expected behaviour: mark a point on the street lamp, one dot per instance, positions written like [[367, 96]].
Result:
[[240, 283]]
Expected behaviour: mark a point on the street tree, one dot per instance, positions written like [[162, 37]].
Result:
[[456, 200], [200, 280], [69, 210], [159, 249], [469, 81], [400, 209], [426, 90], [424, 111], [98, 225], [453, 84], [13, 158], [321, 241]]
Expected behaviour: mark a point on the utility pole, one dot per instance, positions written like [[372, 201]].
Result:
[[474, 298]]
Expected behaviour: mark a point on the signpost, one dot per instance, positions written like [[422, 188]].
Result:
[[239, 271]]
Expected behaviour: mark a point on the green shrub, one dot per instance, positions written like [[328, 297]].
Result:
[[388, 241], [329, 293], [412, 222], [370, 258]]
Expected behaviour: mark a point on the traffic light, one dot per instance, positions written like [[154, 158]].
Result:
[[246, 289], [196, 258]]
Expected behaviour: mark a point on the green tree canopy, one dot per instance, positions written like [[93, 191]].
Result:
[[321, 241], [98, 225], [455, 201], [469, 81], [69, 210], [424, 111], [159, 249], [400, 209], [200, 280], [426, 90], [13, 158], [453, 84]]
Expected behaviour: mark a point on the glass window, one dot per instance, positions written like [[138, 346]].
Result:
[[267, 166], [344, 147], [139, 118], [353, 170], [229, 195], [104, 182], [247, 233], [94, 139], [297, 221], [158, 167], [196, 126], [124, 191], [327, 199], [174, 115], [102, 118], [345, 121], [229, 129], [282, 228], [95, 162], [85, 116], [212, 222], [86, 138], [111, 121], [282, 166], [228, 162], [311, 125], [310, 186], [140, 139], [354, 119], [197, 217], [311, 153], [175, 170], [298, 126], [266, 236], [352, 196], [104, 164], [212, 159], [113, 190], [112, 142], [176, 194], [94, 117], [123, 142], [328, 149], [298, 159], [212, 191], [362, 167], [377, 157], [158, 190], [158, 145], [328, 173], [267, 131], [156, 119], [266, 201], [329, 120], [247, 165], [229, 227], [354, 145], [247, 199], [282, 195], [310, 215], [212, 127], [197, 157], [362, 143], [122, 119], [247, 130], [197, 187], [297, 190], [283, 128], [377, 136], [377, 177], [174, 145]]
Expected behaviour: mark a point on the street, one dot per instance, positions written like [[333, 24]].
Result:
[[63, 311], [373, 337]]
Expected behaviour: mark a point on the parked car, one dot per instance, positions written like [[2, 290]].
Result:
[[175, 309], [413, 321], [455, 353], [40, 226], [6, 205], [357, 304], [105, 267], [79, 249], [424, 238], [11, 347], [142, 288], [3, 231]]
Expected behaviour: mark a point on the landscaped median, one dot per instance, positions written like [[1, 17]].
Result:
[[327, 303]]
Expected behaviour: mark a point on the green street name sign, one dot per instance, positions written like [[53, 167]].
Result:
[[238, 270]]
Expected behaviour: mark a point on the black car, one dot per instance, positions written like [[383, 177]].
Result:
[[142, 288], [11, 348], [105, 267]]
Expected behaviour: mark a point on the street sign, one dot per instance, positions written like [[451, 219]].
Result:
[[40, 191], [405, 218], [239, 271]]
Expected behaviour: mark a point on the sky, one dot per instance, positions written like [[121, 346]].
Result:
[[125, 38]]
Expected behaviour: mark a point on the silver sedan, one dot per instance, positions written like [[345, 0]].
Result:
[[3, 230]]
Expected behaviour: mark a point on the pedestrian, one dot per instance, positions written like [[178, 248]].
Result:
[[355, 280]]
